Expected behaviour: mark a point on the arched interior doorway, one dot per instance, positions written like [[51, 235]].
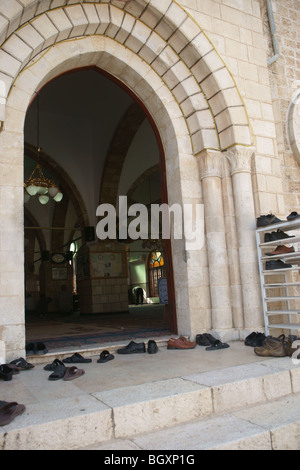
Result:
[[97, 143]]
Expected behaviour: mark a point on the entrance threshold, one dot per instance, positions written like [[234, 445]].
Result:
[[90, 334], [95, 350]]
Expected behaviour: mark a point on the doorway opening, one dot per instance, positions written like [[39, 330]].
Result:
[[97, 143]]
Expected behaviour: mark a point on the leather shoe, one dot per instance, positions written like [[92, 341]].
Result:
[[281, 250], [152, 347], [293, 216], [265, 220], [275, 236], [277, 264], [132, 348], [181, 343]]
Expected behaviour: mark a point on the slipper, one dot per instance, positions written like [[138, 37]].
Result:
[[76, 358], [22, 364], [72, 373], [9, 411], [217, 345], [59, 372], [105, 356], [54, 365], [6, 372]]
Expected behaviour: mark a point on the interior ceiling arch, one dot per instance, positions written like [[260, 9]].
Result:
[[161, 33]]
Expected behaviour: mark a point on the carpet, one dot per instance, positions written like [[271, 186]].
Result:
[[104, 338], [73, 331]]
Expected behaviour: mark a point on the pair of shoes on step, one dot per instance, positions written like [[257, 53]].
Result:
[[13, 368], [136, 348], [181, 343], [77, 358], [36, 349], [272, 347], [60, 371], [212, 343], [279, 347]]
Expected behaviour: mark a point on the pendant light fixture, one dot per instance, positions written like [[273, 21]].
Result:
[[37, 184]]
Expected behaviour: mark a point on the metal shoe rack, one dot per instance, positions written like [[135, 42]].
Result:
[[286, 280]]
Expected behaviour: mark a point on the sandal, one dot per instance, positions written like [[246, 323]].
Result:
[[22, 364], [105, 356], [72, 373], [59, 371], [54, 365], [76, 358], [9, 411], [217, 345]]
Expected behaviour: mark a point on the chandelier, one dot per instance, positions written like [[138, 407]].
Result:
[[37, 184]]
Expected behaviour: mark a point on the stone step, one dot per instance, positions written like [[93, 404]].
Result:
[[74, 419], [273, 425]]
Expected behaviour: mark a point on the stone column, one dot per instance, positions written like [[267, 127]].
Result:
[[12, 317], [240, 162], [210, 164]]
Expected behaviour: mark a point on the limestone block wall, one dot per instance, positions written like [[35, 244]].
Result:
[[203, 82], [285, 83], [237, 30]]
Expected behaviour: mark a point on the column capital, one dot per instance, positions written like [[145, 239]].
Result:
[[240, 159], [211, 164]]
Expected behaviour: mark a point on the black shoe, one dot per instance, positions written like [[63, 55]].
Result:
[[152, 347], [255, 339], [277, 264], [133, 348], [6, 372], [293, 216], [205, 340], [265, 220], [275, 236], [36, 348]]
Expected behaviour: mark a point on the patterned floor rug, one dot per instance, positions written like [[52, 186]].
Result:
[[65, 331]]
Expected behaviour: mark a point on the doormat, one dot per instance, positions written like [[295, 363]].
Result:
[[104, 338]]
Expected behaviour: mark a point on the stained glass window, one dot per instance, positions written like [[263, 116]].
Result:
[[156, 260], [156, 266]]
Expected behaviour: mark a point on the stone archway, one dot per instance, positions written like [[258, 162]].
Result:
[[159, 52], [163, 35]]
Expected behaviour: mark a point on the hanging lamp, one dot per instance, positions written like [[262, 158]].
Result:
[[37, 184]]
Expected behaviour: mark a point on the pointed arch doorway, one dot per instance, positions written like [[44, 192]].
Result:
[[161, 53], [123, 149]]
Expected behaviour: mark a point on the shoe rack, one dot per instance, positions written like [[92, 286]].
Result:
[[278, 286]]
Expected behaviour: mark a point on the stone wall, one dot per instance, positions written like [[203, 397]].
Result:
[[203, 84], [240, 31], [285, 81]]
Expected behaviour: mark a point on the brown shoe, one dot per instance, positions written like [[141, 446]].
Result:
[[292, 340], [281, 250], [181, 343], [273, 347]]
